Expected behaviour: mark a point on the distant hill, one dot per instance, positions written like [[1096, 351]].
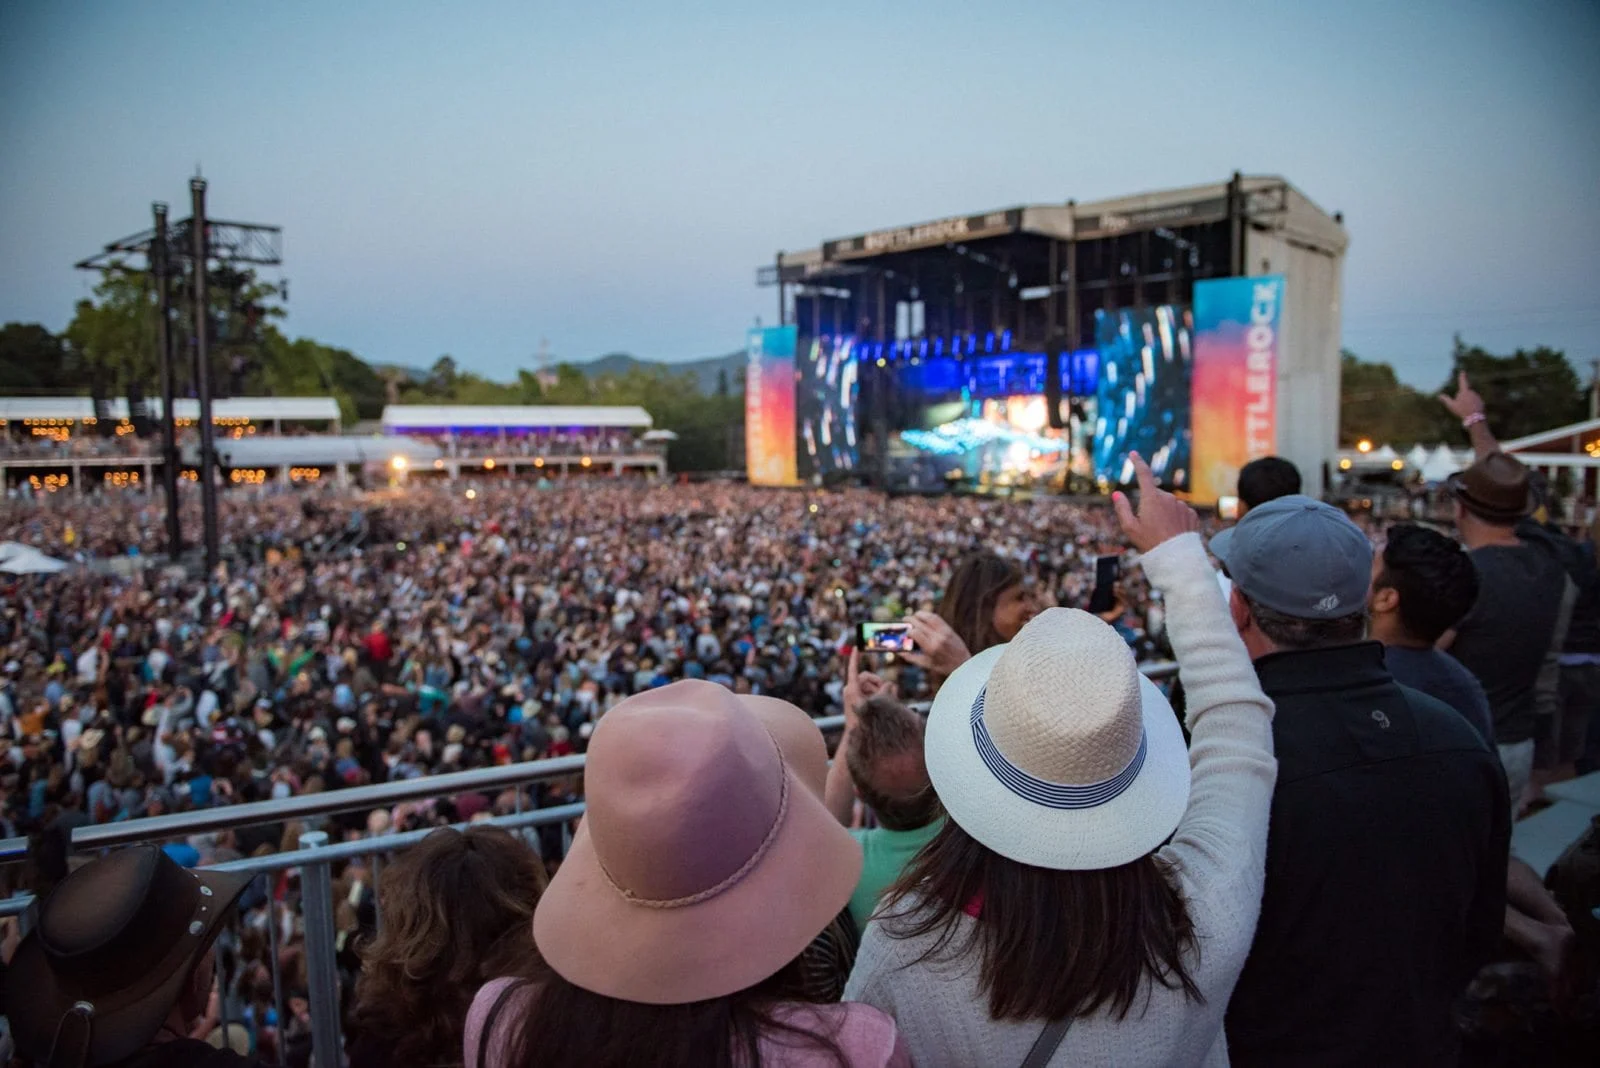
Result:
[[705, 371]]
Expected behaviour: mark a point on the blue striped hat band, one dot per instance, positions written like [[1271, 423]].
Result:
[[1041, 792]]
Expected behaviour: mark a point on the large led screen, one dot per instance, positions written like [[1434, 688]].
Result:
[[826, 405], [1146, 357]]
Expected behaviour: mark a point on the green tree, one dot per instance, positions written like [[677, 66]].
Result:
[[33, 360], [114, 335], [1376, 406], [1531, 390]]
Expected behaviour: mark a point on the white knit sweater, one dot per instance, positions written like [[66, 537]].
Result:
[[1216, 857]]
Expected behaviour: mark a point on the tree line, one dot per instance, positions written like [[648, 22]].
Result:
[[1529, 391], [110, 349]]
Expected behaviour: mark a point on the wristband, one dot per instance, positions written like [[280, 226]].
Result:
[[1474, 419]]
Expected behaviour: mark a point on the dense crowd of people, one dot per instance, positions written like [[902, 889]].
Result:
[[1298, 855]]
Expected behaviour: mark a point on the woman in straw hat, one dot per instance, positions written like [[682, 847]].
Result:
[[1092, 896], [673, 932]]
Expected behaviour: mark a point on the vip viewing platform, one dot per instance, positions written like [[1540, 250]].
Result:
[[76, 445], [511, 439]]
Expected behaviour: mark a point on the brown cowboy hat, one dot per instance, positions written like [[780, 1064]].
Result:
[[1496, 488], [705, 863], [116, 941]]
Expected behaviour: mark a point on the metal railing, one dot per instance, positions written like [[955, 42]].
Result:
[[316, 856], [326, 803]]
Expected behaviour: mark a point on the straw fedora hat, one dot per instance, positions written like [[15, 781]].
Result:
[[115, 943], [704, 864], [1053, 750]]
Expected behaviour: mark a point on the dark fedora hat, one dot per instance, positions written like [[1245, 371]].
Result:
[[115, 942], [1496, 488]]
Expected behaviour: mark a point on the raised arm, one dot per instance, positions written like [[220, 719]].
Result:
[[1223, 833], [1468, 407]]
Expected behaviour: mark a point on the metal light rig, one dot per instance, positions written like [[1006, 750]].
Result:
[[174, 250]]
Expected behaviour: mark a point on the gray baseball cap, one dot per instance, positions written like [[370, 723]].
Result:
[[1298, 556]]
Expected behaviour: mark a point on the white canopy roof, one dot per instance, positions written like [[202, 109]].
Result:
[[512, 417], [314, 450], [309, 409], [20, 559], [1444, 463]]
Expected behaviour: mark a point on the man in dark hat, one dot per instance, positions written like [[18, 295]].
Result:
[[1513, 629], [121, 965]]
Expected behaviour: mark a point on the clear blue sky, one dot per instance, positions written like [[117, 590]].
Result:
[[471, 178]]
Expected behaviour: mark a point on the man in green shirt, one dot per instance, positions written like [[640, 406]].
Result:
[[882, 752]]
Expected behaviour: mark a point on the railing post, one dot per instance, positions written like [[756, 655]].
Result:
[[377, 901], [322, 974], [277, 977]]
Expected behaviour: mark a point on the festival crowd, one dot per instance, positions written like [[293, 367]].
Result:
[[1297, 855]]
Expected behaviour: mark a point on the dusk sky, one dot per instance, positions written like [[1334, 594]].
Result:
[[469, 179]]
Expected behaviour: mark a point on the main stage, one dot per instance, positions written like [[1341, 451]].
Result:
[[1038, 346]]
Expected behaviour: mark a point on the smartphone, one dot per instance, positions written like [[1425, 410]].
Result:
[[884, 637], [1107, 570], [1228, 508]]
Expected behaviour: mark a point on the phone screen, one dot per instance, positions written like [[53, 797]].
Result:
[[884, 637], [1107, 570]]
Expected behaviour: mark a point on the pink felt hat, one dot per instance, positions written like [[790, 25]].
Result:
[[705, 863]]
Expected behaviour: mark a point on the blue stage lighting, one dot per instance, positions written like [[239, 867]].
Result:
[[1005, 341]]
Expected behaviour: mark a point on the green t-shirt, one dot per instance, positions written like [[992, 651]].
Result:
[[886, 855]]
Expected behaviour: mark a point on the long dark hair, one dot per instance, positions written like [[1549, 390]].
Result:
[[969, 599], [566, 1026], [1054, 944], [457, 912]]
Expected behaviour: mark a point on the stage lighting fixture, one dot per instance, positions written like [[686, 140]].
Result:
[[398, 462], [988, 342], [472, 494], [1005, 341], [1364, 446], [488, 465]]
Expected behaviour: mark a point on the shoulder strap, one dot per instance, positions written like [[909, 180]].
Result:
[[1049, 1040], [489, 1022]]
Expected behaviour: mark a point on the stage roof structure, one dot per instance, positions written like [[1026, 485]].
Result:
[[1039, 279], [441, 417]]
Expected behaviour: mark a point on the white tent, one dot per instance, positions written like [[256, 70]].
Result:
[[1384, 456], [1417, 457], [1441, 465], [20, 559]]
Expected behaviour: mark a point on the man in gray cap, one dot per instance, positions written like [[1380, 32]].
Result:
[[1386, 859]]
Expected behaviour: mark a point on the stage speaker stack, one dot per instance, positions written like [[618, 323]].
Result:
[[104, 425], [1052, 379], [139, 413]]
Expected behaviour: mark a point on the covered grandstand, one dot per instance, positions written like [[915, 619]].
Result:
[[510, 418]]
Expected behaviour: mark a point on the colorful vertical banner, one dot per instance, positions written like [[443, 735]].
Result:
[[769, 427], [1234, 399]]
